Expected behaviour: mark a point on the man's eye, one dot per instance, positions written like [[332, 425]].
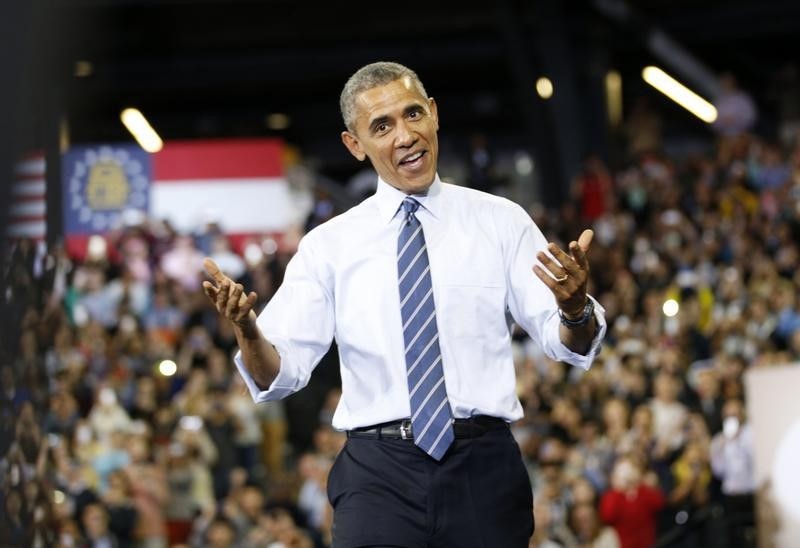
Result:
[[413, 114], [381, 128]]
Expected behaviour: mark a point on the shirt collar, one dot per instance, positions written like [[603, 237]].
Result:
[[389, 199]]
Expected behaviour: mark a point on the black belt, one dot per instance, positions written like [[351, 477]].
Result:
[[401, 430]]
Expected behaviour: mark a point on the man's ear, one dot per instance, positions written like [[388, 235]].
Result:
[[352, 143], [434, 111]]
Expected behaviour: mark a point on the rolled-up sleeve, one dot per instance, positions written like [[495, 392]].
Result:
[[299, 322], [531, 303]]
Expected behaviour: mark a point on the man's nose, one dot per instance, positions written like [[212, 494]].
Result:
[[404, 137]]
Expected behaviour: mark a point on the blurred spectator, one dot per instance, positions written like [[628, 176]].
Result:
[[13, 529], [691, 477], [163, 314], [183, 263], [632, 504], [181, 506], [245, 510], [312, 498], [589, 531], [732, 462], [643, 129], [596, 454], [482, 174], [706, 385], [220, 534], [107, 415], [247, 436], [122, 514], [279, 527], [669, 415], [95, 524], [592, 189], [736, 111], [63, 414], [149, 491], [542, 531], [110, 456], [221, 428], [222, 254], [615, 420]]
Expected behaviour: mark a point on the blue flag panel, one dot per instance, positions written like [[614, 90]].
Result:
[[102, 181]]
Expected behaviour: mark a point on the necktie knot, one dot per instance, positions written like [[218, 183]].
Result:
[[409, 206]]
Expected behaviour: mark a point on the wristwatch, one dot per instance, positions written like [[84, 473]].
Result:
[[588, 312]]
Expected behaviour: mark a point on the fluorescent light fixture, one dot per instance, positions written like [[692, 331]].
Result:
[[679, 93], [141, 130], [544, 87], [614, 97]]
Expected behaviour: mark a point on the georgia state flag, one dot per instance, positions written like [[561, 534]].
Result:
[[238, 184], [102, 181]]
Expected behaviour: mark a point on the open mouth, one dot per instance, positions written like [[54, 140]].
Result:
[[413, 160]]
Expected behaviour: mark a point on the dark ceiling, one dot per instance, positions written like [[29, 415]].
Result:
[[219, 67]]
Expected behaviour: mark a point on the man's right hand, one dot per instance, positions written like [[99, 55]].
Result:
[[229, 297]]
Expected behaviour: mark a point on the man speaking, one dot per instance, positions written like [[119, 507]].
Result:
[[418, 284]]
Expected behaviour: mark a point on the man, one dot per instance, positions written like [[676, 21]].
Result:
[[418, 284]]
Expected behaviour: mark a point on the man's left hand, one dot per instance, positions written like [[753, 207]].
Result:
[[568, 274]]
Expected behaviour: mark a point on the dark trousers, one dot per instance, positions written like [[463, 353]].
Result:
[[387, 492]]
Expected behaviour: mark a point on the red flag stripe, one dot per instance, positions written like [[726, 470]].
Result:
[[218, 159], [25, 199], [16, 219], [29, 177]]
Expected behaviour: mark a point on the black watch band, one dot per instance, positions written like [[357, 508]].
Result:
[[588, 312]]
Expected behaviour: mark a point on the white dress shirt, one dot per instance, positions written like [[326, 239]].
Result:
[[342, 283]]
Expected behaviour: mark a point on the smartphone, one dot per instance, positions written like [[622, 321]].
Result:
[[730, 427]]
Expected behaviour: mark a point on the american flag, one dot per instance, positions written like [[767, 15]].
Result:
[[28, 206]]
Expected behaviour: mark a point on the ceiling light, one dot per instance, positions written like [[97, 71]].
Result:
[[679, 93], [141, 130], [544, 87]]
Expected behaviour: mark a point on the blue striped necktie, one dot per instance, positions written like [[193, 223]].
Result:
[[431, 418]]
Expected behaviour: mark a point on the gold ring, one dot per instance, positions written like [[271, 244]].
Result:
[[562, 279]]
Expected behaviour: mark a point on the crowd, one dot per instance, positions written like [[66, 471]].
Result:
[[124, 423]]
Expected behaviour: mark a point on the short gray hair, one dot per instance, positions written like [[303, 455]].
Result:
[[372, 76]]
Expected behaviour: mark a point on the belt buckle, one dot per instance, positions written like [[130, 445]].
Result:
[[405, 430]]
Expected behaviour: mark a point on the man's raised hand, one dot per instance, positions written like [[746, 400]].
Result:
[[259, 357], [228, 297], [568, 274]]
